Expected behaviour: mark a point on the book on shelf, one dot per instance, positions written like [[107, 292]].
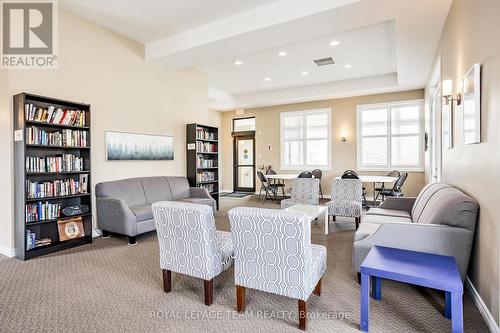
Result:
[[205, 176], [205, 163], [204, 134], [65, 137], [32, 242], [206, 147], [51, 115], [42, 211], [210, 187], [55, 188], [57, 163]]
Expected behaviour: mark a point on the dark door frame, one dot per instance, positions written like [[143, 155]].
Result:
[[237, 136]]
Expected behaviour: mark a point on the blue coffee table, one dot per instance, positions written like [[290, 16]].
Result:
[[418, 268]]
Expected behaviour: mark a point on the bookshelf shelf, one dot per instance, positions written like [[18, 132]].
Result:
[[203, 159], [34, 165]]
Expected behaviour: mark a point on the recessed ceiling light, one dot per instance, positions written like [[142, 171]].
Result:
[[282, 53], [304, 73], [334, 43], [267, 79], [238, 62], [347, 66]]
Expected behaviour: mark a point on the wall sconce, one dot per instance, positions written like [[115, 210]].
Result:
[[343, 139], [448, 93], [343, 136]]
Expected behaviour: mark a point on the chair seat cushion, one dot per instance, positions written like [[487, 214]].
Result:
[[388, 212], [225, 249], [346, 208], [142, 212], [365, 229]]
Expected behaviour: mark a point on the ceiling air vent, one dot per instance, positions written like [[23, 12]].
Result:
[[324, 61]]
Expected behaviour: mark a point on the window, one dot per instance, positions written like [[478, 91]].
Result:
[[244, 124], [305, 139], [390, 136]]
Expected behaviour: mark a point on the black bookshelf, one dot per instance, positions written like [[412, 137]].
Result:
[[203, 158], [48, 227]]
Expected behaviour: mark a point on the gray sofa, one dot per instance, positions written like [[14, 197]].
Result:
[[441, 220], [124, 206]]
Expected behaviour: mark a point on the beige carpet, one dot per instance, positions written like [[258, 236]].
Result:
[[109, 286]]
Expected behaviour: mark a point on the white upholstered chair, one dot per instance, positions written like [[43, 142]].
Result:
[[347, 199], [189, 243], [273, 253], [305, 191]]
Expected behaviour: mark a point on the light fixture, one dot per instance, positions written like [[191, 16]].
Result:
[[238, 63], [334, 43], [304, 73], [267, 79], [347, 66], [239, 111], [447, 91], [343, 136], [282, 53]]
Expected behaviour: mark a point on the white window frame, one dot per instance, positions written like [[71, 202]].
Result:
[[305, 166], [390, 166]]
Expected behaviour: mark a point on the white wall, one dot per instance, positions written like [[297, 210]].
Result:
[[108, 71]]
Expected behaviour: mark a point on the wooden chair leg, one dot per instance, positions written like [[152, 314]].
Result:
[[357, 222], [317, 289], [167, 280], [302, 314], [209, 291], [240, 298]]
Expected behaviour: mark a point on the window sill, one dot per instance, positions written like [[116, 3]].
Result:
[[391, 169]]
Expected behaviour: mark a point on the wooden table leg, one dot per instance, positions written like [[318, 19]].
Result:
[[327, 221], [457, 316], [365, 301], [376, 288]]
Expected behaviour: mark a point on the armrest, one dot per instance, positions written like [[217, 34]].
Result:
[[405, 203], [199, 192], [430, 238], [114, 215]]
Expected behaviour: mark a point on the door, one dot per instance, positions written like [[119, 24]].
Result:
[[244, 163]]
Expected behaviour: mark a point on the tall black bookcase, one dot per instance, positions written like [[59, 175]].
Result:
[[30, 155], [203, 158]]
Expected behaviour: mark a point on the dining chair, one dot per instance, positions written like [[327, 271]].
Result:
[[305, 174], [270, 190], [305, 191], [317, 173], [347, 199], [273, 253], [190, 244], [393, 173], [395, 191], [279, 184], [350, 174]]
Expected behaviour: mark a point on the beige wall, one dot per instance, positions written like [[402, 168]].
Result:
[[470, 36], [343, 153], [126, 93]]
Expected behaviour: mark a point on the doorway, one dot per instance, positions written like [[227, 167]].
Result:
[[244, 161], [436, 101]]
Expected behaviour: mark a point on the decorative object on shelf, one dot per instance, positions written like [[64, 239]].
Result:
[[75, 210], [471, 109], [70, 228], [121, 146], [447, 125]]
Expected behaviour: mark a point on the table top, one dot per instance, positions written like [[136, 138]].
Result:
[[419, 268], [311, 211], [286, 176], [376, 179]]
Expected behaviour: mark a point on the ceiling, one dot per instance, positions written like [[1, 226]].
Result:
[[389, 44]]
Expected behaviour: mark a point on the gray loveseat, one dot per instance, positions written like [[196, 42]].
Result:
[[124, 206], [441, 220]]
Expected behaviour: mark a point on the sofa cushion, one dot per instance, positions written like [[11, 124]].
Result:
[[423, 198], [156, 189], [179, 187], [365, 229], [130, 190], [388, 212], [142, 212], [379, 219]]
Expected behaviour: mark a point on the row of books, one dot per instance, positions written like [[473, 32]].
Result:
[[205, 176], [32, 242], [42, 211], [65, 137], [210, 187], [203, 134], [55, 188], [203, 163], [206, 147], [51, 115], [58, 163]]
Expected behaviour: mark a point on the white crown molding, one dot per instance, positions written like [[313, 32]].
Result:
[[483, 309]]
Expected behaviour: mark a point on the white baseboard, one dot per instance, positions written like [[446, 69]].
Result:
[[483, 309], [7, 251]]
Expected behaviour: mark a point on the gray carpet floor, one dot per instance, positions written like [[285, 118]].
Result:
[[109, 286]]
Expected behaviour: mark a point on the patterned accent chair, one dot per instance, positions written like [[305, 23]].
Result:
[[347, 199], [273, 253], [190, 245], [305, 191]]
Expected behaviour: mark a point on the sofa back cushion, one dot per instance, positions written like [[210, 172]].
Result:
[[449, 206], [156, 189], [130, 190], [423, 199], [179, 187]]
